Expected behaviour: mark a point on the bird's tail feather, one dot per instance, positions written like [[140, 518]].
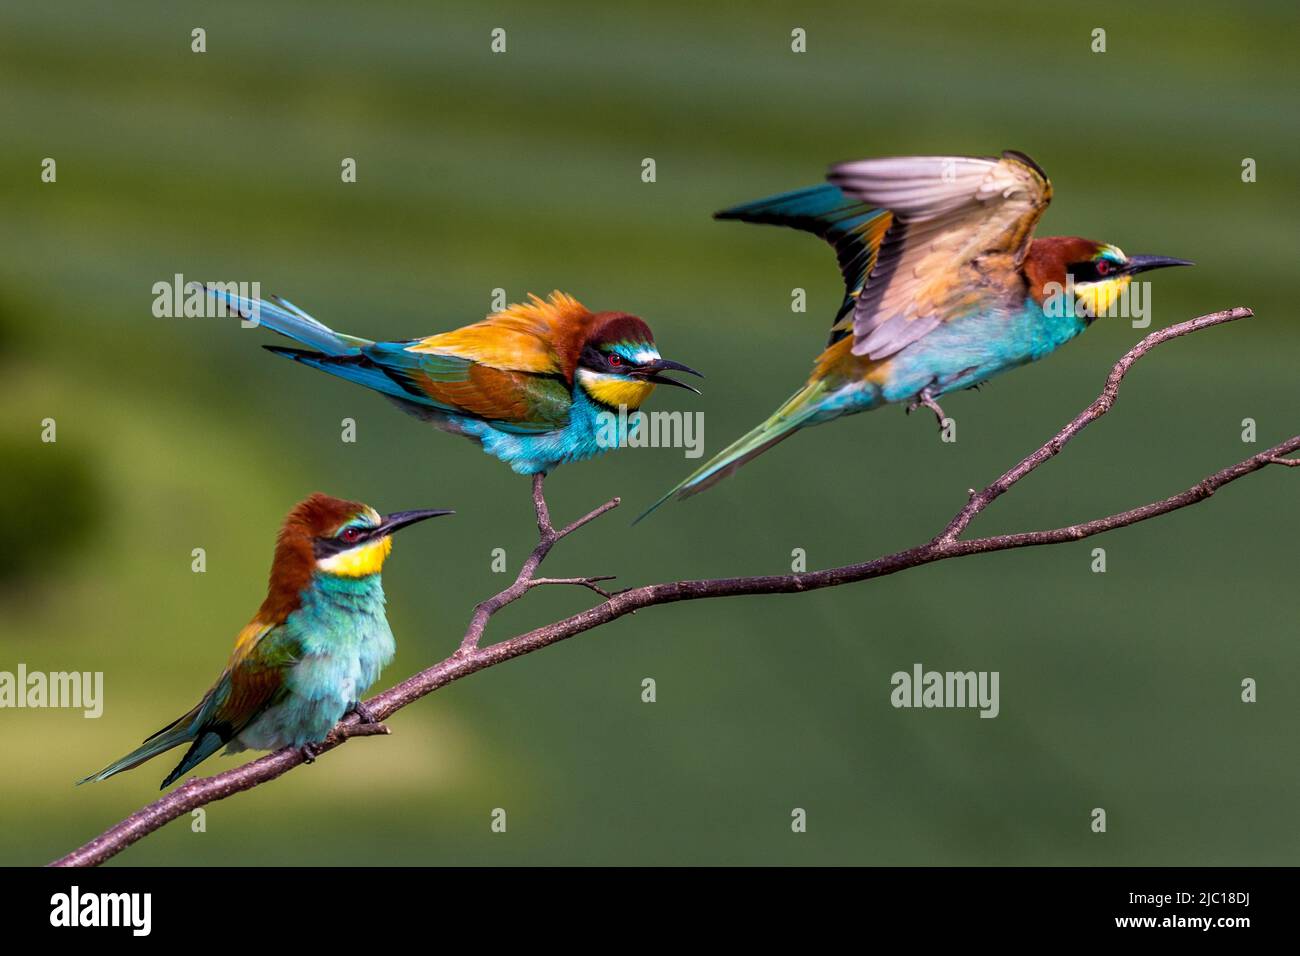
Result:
[[354, 368], [180, 732], [795, 413], [281, 315], [203, 747]]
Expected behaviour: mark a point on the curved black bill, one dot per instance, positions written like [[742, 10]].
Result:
[[1143, 263], [402, 519], [651, 372]]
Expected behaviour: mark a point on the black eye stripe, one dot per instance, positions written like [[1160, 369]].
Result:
[[327, 547], [599, 360], [1089, 272]]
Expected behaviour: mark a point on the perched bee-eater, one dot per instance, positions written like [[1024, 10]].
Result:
[[945, 286], [527, 383], [312, 650]]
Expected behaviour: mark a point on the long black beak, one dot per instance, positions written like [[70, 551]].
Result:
[[1137, 264], [651, 372], [402, 519]]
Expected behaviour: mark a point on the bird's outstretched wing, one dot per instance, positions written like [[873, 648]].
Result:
[[961, 226], [854, 228]]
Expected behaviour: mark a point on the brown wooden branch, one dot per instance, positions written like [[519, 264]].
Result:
[[979, 500], [547, 536], [471, 657]]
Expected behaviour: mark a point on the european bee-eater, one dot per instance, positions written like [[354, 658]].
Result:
[[945, 286], [527, 383], [312, 650]]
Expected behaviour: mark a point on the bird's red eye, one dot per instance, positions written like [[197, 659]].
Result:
[[351, 535], [1103, 267], [615, 359]]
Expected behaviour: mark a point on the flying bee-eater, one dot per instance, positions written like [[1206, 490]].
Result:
[[945, 286], [536, 385], [315, 646]]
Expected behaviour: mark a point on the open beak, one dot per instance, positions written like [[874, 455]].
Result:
[[1137, 264], [402, 519], [651, 371]]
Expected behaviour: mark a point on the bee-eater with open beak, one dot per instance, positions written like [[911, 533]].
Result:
[[312, 650], [945, 286], [536, 385]]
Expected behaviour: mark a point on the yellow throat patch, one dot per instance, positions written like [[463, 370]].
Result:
[[1096, 298], [360, 561], [615, 391]]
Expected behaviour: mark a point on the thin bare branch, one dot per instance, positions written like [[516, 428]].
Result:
[[547, 537], [979, 500], [589, 583], [470, 657]]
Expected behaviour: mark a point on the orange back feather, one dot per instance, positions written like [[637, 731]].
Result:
[[540, 336]]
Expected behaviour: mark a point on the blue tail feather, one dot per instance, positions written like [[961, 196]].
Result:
[[180, 732], [202, 748], [355, 368], [281, 315]]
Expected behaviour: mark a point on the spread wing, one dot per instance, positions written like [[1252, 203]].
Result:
[[852, 227], [960, 224], [514, 368]]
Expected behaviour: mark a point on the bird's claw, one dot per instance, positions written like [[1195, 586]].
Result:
[[926, 398], [364, 714], [310, 752]]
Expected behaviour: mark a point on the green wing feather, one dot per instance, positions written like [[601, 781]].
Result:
[[253, 681]]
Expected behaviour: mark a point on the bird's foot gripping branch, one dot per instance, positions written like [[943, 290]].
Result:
[[472, 656]]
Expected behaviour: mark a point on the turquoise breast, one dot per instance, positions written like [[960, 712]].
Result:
[[964, 351], [528, 453], [346, 641]]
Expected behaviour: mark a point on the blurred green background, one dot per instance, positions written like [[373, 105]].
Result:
[[522, 171]]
